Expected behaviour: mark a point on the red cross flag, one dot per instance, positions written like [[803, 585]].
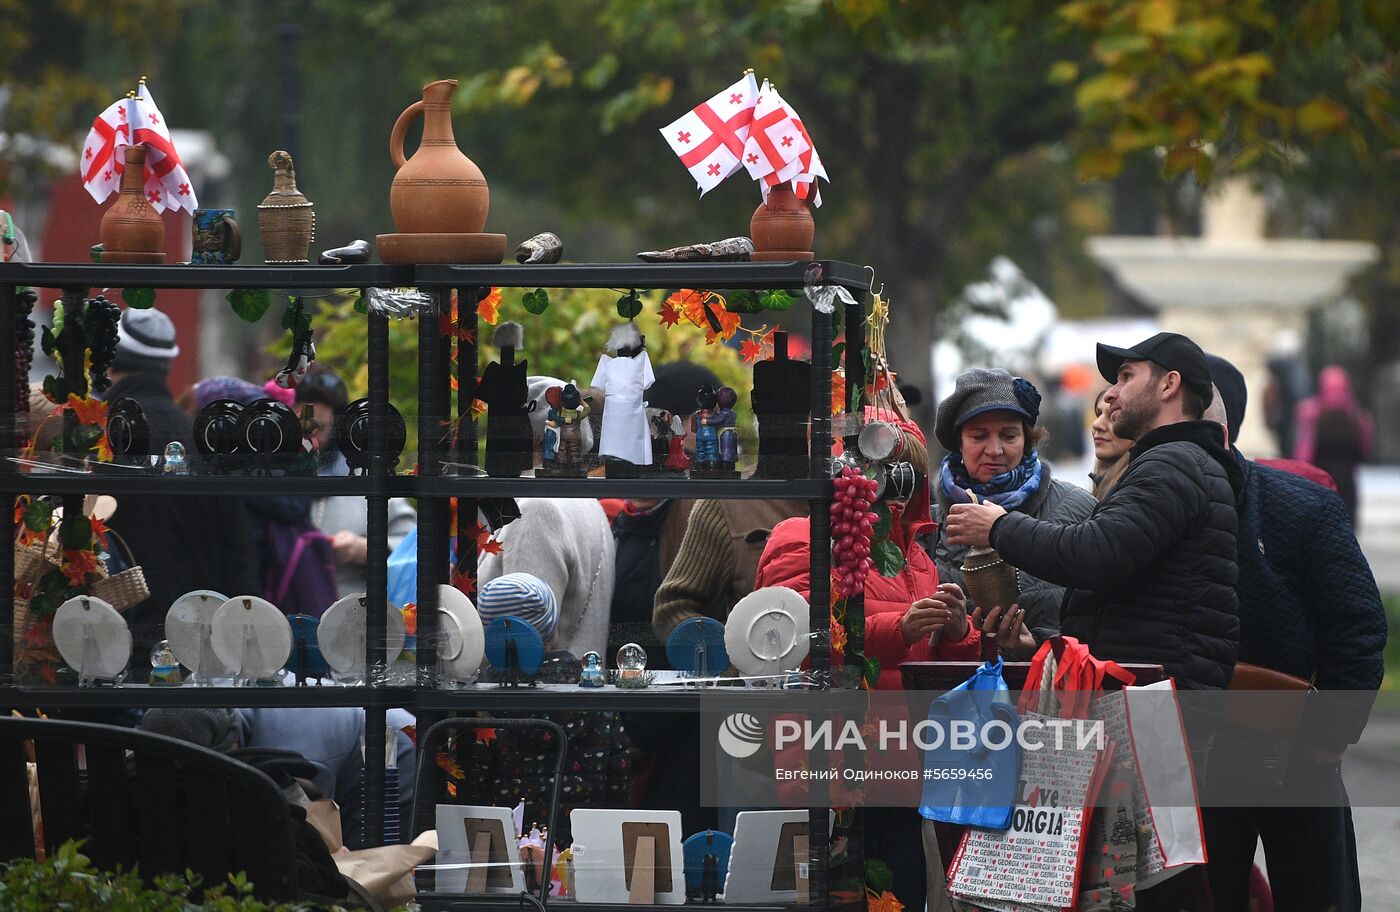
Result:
[[774, 139], [803, 171], [167, 184], [101, 161], [710, 138]]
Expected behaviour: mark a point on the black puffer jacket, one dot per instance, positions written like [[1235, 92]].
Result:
[[1153, 567], [1056, 501]]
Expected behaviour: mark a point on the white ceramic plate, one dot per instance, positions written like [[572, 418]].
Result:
[[110, 636], [463, 645], [767, 632], [258, 622], [188, 614], [341, 634]]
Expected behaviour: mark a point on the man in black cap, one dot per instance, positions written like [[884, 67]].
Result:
[[1152, 570], [181, 542], [1310, 609]]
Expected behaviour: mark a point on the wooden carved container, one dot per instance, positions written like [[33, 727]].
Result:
[[286, 218]]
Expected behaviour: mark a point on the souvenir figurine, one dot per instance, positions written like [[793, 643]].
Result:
[[592, 674], [562, 447], [626, 440], [632, 671], [667, 436], [506, 392], [716, 441], [302, 357], [782, 403]]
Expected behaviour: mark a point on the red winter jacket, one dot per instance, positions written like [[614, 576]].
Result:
[[785, 562]]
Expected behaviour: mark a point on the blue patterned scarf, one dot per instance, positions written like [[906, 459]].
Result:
[[1008, 490]]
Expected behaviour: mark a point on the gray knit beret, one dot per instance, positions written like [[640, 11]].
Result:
[[983, 390], [217, 729]]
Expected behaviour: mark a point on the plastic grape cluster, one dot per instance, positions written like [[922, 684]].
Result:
[[852, 524], [101, 321], [24, 344]]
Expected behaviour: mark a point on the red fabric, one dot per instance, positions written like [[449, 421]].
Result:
[[612, 506], [785, 562], [1304, 469]]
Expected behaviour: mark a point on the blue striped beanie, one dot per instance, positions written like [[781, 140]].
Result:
[[520, 595]]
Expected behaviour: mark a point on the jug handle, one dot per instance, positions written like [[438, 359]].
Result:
[[235, 240], [400, 128]]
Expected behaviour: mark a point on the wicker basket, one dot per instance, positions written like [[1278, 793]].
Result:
[[127, 588]]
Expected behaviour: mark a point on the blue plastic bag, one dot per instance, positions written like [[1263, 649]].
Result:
[[974, 787], [403, 569]]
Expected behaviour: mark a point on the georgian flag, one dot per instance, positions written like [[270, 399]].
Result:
[[101, 162], [710, 138], [774, 139], [803, 171], [167, 185]]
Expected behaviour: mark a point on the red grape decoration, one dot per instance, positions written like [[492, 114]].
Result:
[[852, 524]]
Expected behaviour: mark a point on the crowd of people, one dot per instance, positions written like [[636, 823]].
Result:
[[1177, 551]]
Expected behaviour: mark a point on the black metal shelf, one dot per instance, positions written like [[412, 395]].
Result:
[[442, 902], [656, 698], [221, 485], [643, 275], [689, 489], [146, 696], [92, 275]]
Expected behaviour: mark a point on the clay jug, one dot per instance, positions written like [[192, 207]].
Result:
[[782, 223], [286, 218], [439, 190], [130, 225]]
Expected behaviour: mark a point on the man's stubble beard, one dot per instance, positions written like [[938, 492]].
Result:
[[1133, 420]]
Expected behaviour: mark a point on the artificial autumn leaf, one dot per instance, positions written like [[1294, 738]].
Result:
[[838, 392], [728, 325], [481, 533], [88, 410], [750, 350], [77, 564], [410, 619], [838, 635], [690, 304], [464, 583], [104, 449], [884, 902], [489, 307], [491, 546], [99, 528], [669, 315], [448, 764], [485, 736]]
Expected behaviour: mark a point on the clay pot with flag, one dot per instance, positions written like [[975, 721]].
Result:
[[131, 230]]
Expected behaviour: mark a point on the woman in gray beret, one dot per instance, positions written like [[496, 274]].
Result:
[[988, 427]]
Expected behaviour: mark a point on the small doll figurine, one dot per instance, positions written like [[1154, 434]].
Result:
[[667, 432], [505, 390], [626, 438], [562, 447], [714, 416], [302, 357]]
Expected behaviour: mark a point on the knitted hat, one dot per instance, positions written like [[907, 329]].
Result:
[[520, 595], [217, 729], [1233, 392], [146, 342], [979, 391], [235, 388]]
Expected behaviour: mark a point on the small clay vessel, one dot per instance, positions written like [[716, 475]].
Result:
[[286, 218], [990, 581], [131, 230], [782, 227], [438, 190]]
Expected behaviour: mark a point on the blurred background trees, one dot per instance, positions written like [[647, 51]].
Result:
[[953, 131]]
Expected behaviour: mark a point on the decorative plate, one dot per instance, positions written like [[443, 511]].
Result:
[[111, 638], [269, 428], [462, 644], [352, 434], [251, 637], [128, 431], [684, 647], [216, 428], [529, 648], [189, 616], [341, 635], [767, 632]]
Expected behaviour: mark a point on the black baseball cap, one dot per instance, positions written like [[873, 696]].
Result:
[[1171, 351]]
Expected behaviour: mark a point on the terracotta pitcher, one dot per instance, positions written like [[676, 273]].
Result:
[[439, 190], [782, 223], [132, 231]]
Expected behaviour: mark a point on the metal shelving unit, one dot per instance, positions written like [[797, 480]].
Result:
[[435, 492]]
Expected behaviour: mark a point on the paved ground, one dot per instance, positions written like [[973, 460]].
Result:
[[1373, 767]]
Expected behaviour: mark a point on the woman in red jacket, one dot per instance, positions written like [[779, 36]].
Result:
[[902, 614]]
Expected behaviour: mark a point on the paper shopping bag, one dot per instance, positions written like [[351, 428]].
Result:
[[1171, 835], [1034, 865]]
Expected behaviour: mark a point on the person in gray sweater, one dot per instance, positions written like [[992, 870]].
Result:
[[988, 426]]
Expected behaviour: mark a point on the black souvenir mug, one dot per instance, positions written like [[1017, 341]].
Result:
[[215, 241]]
